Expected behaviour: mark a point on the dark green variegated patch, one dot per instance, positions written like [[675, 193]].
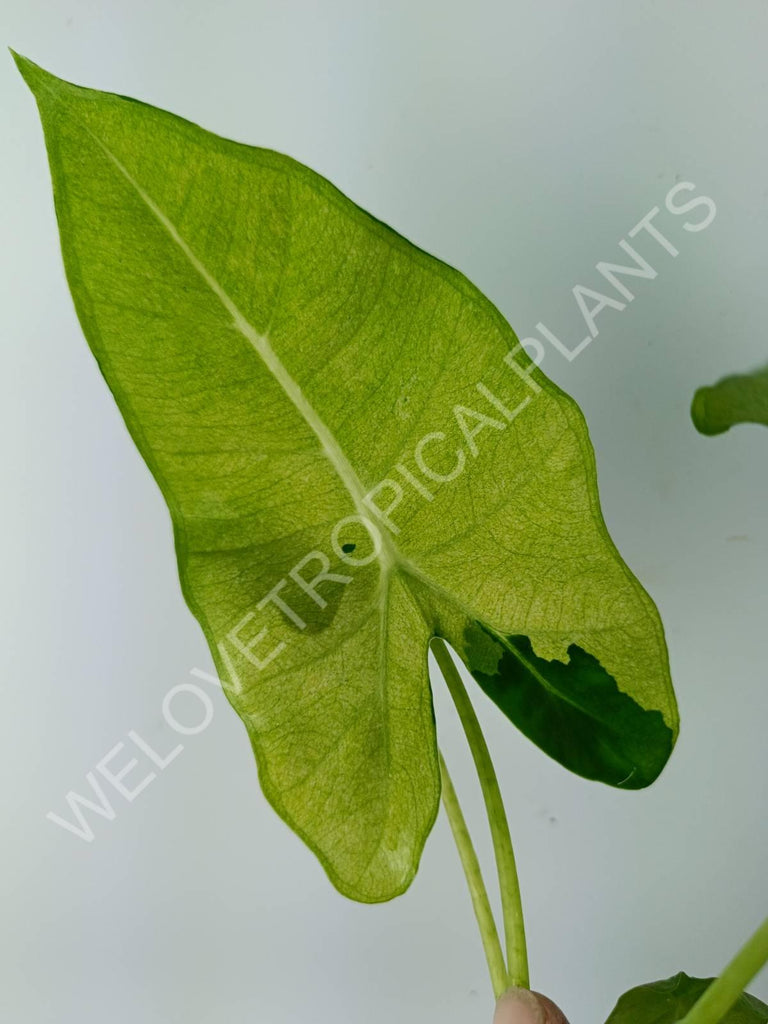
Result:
[[572, 709]]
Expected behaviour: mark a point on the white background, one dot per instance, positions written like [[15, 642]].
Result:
[[519, 142]]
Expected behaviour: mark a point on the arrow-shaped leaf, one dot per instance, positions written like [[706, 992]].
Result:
[[287, 366]]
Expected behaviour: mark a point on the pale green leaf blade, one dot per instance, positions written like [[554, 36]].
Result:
[[277, 354]]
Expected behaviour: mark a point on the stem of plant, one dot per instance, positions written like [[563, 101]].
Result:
[[480, 902], [725, 990], [512, 910]]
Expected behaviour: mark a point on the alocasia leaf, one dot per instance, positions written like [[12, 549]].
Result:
[[285, 364], [742, 398], [667, 1002]]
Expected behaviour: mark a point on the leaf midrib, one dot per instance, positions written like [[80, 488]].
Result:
[[388, 555], [260, 343]]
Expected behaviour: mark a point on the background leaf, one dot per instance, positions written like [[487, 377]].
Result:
[[738, 399], [666, 1002], [279, 357]]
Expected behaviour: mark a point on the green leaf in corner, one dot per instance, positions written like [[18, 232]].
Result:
[[738, 399], [357, 458], [667, 1002]]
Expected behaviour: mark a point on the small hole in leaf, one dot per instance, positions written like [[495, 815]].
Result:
[[348, 548]]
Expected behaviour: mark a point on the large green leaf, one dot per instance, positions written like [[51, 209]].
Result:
[[742, 398], [278, 354], [666, 1002]]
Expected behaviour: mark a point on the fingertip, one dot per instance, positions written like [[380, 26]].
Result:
[[520, 1006]]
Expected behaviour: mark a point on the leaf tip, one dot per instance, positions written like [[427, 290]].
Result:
[[26, 67], [37, 78]]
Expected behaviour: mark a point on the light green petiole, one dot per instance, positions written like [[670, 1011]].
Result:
[[725, 990], [482, 907], [512, 910]]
